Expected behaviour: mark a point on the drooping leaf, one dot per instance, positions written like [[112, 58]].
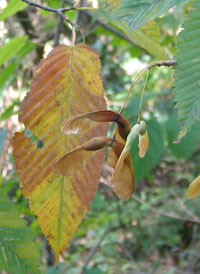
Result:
[[18, 252], [134, 13], [156, 142], [122, 181], [12, 8], [194, 188], [189, 142], [65, 84], [187, 89], [11, 48]]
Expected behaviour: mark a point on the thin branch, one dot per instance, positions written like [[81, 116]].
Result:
[[166, 63], [59, 11], [59, 26], [94, 249], [170, 215], [110, 28], [185, 209]]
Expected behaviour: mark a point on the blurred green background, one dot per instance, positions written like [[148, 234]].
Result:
[[158, 230]]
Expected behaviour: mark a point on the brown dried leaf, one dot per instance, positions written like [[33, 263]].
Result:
[[122, 181]]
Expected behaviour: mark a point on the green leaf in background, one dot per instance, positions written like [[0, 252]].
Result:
[[133, 14], [93, 270], [147, 43], [57, 269], [187, 84], [53, 3], [143, 166], [8, 71], [12, 7], [18, 253], [187, 145], [2, 138], [11, 48]]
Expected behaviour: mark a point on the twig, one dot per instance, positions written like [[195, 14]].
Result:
[[191, 259], [58, 27], [170, 215], [166, 63], [59, 11], [94, 249], [111, 29], [185, 209]]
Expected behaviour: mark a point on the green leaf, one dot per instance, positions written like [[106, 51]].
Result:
[[187, 84], [144, 41], [18, 253], [11, 48], [143, 166], [148, 44], [8, 71], [133, 14], [93, 270], [187, 145], [12, 7]]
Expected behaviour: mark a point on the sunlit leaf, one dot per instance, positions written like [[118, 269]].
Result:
[[7, 73], [194, 188], [135, 13], [145, 42], [65, 84], [11, 48], [12, 7]]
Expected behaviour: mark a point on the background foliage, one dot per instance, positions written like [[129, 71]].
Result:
[[138, 237]]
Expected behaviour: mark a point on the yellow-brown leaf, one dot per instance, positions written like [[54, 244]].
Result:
[[122, 181], [194, 188], [66, 83]]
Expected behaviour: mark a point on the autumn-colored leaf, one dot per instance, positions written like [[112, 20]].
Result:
[[194, 188], [122, 181], [67, 83]]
